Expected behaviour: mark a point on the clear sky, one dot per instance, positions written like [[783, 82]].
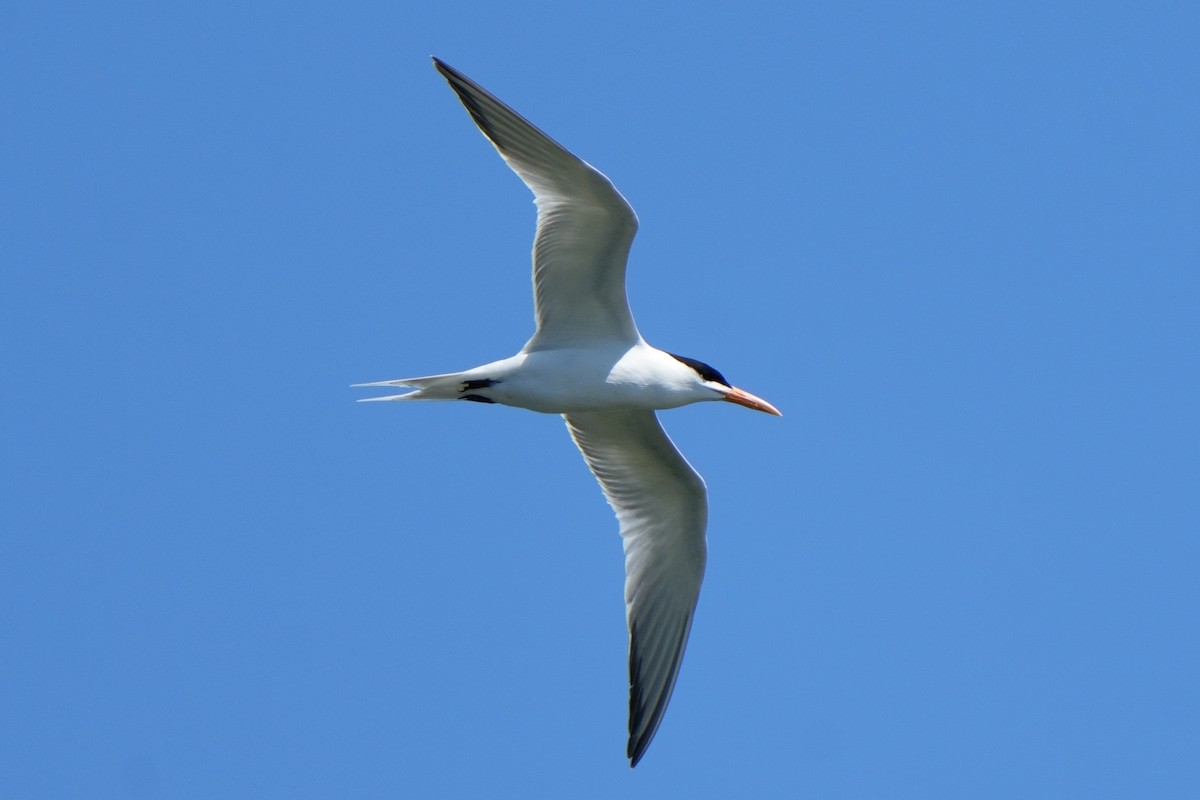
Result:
[[958, 244]]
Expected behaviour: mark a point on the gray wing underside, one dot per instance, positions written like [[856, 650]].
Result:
[[662, 507], [584, 228]]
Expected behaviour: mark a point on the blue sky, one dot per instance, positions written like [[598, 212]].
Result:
[[957, 244]]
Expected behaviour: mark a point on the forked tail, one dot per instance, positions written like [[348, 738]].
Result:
[[450, 386]]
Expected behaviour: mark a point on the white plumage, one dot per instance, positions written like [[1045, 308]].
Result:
[[587, 361]]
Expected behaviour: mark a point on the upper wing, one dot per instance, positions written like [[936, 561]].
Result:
[[584, 227], [662, 506]]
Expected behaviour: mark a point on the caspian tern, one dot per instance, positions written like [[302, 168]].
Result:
[[588, 362]]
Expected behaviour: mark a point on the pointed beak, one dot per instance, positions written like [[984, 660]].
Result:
[[744, 398]]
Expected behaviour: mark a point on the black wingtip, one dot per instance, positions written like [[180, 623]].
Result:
[[448, 72], [640, 733], [644, 720], [464, 87], [637, 746], [635, 754]]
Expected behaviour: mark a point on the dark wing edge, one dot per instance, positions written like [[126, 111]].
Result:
[[661, 504], [585, 227]]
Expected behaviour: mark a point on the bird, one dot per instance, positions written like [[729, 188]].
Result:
[[588, 362]]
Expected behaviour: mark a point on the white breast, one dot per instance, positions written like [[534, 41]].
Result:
[[566, 380]]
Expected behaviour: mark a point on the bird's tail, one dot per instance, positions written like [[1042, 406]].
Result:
[[431, 387]]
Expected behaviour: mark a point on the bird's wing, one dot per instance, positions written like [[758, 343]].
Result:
[[584, 228], [662, 506]]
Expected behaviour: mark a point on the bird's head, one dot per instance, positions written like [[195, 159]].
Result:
[[711, 379]]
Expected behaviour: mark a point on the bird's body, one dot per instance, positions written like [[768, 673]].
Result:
[[588, 362], [562, 381]]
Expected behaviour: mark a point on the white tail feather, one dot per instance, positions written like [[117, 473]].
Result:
[[408, 396], [431, 387]]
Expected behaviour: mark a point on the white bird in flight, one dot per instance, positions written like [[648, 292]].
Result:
[[588, 362]]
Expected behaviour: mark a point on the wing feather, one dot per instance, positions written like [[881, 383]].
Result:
[[662, 507], [584, 227]]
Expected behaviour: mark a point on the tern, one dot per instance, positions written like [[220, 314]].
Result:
[[588, 362]]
